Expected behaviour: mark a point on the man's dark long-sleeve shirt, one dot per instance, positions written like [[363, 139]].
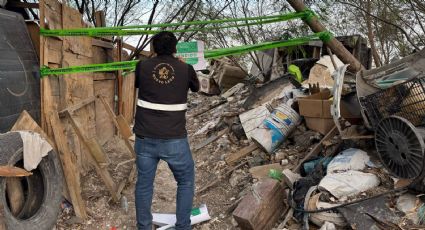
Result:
[[163, 80]]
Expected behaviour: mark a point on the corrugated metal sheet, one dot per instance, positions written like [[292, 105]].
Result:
[[19, 71]]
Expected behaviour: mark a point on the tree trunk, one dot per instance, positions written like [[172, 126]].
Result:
[[371, 36], [340, 51]]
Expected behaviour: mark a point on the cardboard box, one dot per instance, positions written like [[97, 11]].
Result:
[[316, 110], [208, 85]]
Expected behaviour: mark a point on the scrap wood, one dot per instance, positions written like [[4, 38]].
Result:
[[289, 214], [317, 148], [73, 108], [12, 171], [234, 157], [26, 123], [70, 170], [120, 124], [129, 179], [91, 144], [124, 162], [262, 171], [211, 139], [262, 207], [208, 109], [216, 181], [95, 154]]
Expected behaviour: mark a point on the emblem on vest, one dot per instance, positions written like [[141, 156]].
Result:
[[163, 73]]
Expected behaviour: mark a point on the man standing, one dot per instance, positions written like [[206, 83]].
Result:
[[160, 128]]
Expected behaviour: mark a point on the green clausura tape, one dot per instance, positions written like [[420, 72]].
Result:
[[145, 29], [325, 36], [209, 54]]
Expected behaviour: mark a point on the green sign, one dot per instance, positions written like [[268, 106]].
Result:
[[192, 53]]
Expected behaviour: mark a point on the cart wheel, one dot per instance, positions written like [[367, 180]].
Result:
[[400, 147]]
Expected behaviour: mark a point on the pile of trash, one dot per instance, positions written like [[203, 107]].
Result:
[[304, 167]]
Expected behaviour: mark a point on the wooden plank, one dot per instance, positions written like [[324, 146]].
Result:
[[100, 18], [75, 88], [262, 171], [34, 31], [119, 77], [91, 143], [130, 178], [128, 97], [261, 208], [26, 123], [81, 45], [210, 139], [92, 155], [317, 148], [71, 171], [105, 129], [77, 106], [117, 125], [103, 44], [235, 157], [124, 127], [12, 171]]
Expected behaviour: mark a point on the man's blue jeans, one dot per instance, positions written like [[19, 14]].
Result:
[[176, 153]]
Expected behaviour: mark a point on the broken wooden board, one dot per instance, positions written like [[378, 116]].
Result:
[[77, 106], [130, 178], [26, 123], [261, 208], [317, 148], [12, 171], [122, 127], [96, 152], [262, 171], [235, 157], [71, 171], [91, 143], [210, 139]]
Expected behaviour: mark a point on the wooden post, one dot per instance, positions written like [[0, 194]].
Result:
[[71, 171], [333, 44], [119, 77], [99, 18]]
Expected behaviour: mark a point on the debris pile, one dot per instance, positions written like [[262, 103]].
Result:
[[289, 165]]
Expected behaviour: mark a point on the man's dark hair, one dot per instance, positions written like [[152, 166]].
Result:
[[164, 43]]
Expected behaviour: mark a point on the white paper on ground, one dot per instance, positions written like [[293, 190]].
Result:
[[35, 148], [349, 159], [168, 220], [328, 226], [348, 183]]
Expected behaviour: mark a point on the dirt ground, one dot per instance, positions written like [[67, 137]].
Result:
[[220, 199]]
